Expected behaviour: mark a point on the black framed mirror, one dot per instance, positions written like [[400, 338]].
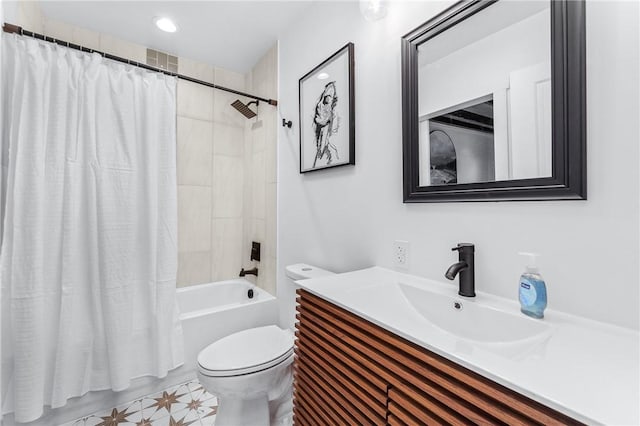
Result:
[[494, 103]]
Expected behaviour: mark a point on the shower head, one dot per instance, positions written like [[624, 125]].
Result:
[[244, 109]]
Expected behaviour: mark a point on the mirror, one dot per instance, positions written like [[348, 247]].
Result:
[[494, 103]]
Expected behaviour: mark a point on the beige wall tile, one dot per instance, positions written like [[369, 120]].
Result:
[[258, 231], [271, 150], [246, 247], [247, 190], [125, 49], [229, 79], [228, 140], [63, 31], [226, 253], [261, 167], [194, 218], [248, 139], [267, 275], [260, 88], [258, 186], [228, 181], [59, 30], [195, 151], [271, 220], [257, 79], [264, 75], [195, 100], [86, 38], [258, 136], [30, 16], [272, 66], [194, 268], [198, 70]]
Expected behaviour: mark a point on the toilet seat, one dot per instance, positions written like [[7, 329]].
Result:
[[248, 351]]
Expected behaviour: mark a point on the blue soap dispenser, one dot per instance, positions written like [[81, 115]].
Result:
[[532, 289]]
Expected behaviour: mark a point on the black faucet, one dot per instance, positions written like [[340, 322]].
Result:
[[253, 271], [465, 268]]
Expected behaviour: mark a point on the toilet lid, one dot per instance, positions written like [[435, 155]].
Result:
[[245, 352]]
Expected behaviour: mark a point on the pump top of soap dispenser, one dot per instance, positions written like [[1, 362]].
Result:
[[532, 261]]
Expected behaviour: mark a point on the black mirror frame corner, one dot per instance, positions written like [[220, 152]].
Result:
[[568, 87]]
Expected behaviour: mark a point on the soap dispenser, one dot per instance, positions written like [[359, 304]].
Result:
[[532, 289]]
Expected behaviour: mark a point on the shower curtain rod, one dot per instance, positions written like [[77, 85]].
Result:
[[10, 28]]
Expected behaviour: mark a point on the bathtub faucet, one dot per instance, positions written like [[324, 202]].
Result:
[[253, 271]]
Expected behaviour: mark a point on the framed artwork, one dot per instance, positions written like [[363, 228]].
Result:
[[327, 113]]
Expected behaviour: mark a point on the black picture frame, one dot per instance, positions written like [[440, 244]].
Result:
[[307, 119], [568, 96]]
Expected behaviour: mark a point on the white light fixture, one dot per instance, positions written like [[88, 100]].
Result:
[[373, 10], [165, 24], [323, 76]]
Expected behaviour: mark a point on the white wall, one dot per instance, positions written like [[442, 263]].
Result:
[[348, 218]]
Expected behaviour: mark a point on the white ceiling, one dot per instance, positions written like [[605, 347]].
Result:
[[228, 34]]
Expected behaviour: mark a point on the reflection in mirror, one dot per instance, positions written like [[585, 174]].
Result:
[[484, 97], [471, 126]]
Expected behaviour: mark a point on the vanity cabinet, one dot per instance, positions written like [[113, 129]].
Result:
[[350, 371]]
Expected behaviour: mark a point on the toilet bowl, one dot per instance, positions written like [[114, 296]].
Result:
[[251, 371], [246, 371]]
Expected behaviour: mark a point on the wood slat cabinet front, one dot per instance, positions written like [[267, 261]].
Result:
[[348, 371]]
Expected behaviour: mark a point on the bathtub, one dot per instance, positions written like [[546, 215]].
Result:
[[208, 312]]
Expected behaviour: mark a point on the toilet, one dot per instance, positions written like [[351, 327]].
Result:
[[251, 371]]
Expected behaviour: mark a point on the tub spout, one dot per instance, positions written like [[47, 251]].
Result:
[[253, 271]]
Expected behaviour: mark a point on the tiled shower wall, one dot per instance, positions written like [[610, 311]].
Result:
[[210, 176], [223, 195], [260, 163]]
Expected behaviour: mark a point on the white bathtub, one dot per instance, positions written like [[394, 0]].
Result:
[[207, 312]]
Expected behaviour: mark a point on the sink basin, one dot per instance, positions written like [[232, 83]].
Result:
[[470, 319]]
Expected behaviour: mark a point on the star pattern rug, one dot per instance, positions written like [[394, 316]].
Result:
[[187, 404]]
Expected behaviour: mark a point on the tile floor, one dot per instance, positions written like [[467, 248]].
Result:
[[182, 405]]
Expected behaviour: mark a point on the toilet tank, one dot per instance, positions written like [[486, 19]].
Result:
[[302, 271]]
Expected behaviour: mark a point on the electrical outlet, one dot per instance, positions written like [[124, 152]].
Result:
[[401, 254]]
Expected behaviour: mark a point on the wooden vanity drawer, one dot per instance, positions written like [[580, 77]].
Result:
[[363, 374]]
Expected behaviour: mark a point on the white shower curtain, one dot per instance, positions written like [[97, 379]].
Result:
[[89, 243]]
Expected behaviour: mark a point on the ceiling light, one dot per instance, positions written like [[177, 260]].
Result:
[[372, 10], [323, 76], [165, 24]]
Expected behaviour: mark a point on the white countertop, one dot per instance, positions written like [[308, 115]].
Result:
[[585, 369]]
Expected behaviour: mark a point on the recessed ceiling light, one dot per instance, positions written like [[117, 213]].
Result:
[[165, 24], [323, 76]]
